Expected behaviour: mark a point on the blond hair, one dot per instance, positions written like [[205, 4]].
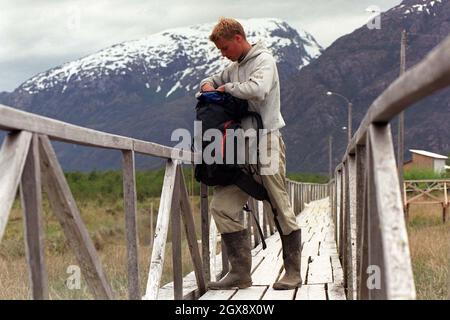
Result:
[[227, 28]]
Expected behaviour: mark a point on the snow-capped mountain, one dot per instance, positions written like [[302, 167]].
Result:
[[145, 88], [430, 7], [174, 59], [360, 66]]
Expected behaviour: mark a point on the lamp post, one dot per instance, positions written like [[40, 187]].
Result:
[[349, 106]]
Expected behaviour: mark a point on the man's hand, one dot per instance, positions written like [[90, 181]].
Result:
[[207, 87]]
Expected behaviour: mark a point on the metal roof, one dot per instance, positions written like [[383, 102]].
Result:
[[428, 154]]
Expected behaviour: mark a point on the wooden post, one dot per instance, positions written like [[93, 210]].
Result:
[[401, 120], [176, 240], [389, 228], [444, 214], [129, 197], [151, 225], [341, 216], [253, 217], [225, 264], [213, 249], [162, 226], [360, 194], [205, 231], [363, 290], [191, 237], [264, 218], [351, 227], [31, 195]]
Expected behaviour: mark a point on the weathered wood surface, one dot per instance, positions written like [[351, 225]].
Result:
[[14, 119], [130, 206], [12, 160], [321, 270], [162, 227], [188, 219], [68, 215], [388, 210], [31, 197]]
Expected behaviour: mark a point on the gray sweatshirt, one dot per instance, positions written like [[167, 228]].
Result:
[[255, 79]]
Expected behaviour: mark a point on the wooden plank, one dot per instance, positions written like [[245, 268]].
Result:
[[213, 250], [310, 248], [218, 295], [31, 196], [129, 198], [311, 292], [14, 119], [304, 263], [161, 151], [12, 160], [272, 294], [338, 273], [335, 292], [190, 290], [251, 293], [65, 209], [397, 259], [320, 270], [188, 219], [269, 270], [162, 226]]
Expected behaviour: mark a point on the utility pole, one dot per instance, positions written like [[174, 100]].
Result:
[[401, 119], [349, 130]]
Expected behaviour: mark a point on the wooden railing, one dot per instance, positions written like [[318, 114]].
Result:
[[216, 265], [367, 200], [426, 192], [27, 159]]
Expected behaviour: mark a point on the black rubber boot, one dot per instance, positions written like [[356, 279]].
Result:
[[239, 255], [291, 260]]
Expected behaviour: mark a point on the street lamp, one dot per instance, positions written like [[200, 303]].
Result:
[[349, 104]]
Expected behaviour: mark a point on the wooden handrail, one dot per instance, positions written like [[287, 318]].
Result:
[[427, 77], [16, 120], [365, 193]]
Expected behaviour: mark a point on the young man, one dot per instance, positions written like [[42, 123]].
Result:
[[253, 76]]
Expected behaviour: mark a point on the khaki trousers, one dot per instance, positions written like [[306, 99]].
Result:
[[227, 201]]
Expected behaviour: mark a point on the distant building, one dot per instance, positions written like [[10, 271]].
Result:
[[426, 160]]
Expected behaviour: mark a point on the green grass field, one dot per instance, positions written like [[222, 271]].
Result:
[[99, 198]]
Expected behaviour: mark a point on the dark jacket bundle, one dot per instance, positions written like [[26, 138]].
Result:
[[222, 111]]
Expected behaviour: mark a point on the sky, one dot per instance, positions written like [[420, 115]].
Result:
[[38, 35]]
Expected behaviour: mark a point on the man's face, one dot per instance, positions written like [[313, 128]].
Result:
[[231, 49]]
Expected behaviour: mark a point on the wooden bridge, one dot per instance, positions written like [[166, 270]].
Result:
[[355, 244]]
